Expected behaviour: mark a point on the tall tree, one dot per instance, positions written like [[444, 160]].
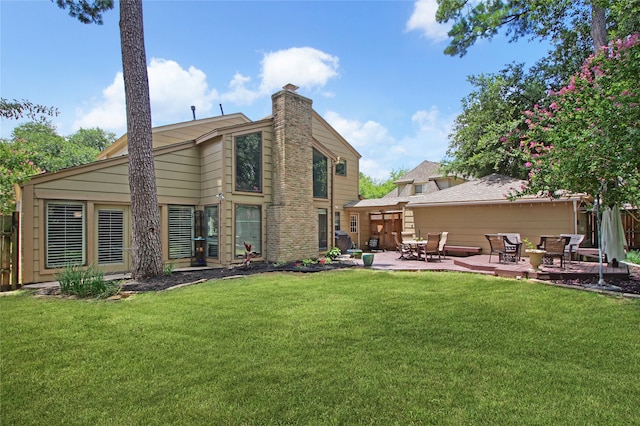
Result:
[[588, 138], [93, 138], [147, 248], [378, 188], [477, 144]]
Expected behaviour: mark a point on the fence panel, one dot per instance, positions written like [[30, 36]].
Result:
[[8, 253]]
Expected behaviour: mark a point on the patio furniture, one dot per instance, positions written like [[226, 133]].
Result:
[[574, 243], [498, 244], [431, 247], [404, 249], [513, 245], [555, 246], [442, 244]]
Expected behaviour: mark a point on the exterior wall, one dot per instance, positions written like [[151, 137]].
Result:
[[103, 186], [292, 220], [468, 224]]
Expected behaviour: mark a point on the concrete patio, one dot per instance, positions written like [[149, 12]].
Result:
[[389, 260]]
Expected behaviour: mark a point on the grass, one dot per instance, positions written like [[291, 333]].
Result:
[[344, 347], [633, 256]]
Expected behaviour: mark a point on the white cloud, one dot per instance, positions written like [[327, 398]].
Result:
[[306, 67], [423, 19], [383, 153], [172, 89]]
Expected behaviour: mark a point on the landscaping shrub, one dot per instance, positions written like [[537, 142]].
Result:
[[88, 282]]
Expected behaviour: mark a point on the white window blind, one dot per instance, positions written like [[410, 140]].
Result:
[[180, 231], [110, 236], [65, 234]]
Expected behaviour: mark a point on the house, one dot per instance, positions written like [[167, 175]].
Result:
[[426, 200], [279, 183]]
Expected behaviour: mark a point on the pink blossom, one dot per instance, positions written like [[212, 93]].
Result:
[[528, 164]]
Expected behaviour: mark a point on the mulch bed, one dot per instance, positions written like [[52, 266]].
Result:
[[178, 278]]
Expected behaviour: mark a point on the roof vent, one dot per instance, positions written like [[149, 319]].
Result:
[[291, 87]]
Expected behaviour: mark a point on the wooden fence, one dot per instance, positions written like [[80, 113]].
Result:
[[9, 252]]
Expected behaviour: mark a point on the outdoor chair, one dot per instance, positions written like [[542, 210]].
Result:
[[432, 247], [404, 249], [554, 247], [513, 245], [442, 244], [497, 244], [574, 243]]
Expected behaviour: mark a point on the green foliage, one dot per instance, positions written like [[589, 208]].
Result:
[[86, 11], [15, 110], [168, 267], [348, 348], [15, 166], [588, 138], [333, 253], [96, 138], [634, 257], [51, 152], [35, 147], [309, 262], [375, 188], [477, 145], [88, 282]]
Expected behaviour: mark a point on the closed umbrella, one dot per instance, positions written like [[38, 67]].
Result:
[[612, 234]]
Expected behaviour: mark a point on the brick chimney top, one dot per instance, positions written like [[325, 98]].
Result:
[[291, 87]]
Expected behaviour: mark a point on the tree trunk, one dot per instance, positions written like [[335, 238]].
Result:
[[598, 27], [146, 243]]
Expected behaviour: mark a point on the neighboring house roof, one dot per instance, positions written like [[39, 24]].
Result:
[[492, 189], [424, 172]]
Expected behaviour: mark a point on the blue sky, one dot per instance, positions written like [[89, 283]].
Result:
[[374, 69]]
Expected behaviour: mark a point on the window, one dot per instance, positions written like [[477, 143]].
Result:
[[248, 228], [353, 224], [65, 234], [248, 152], [322, 229], [110, 236], [336, 221], [180, 231], [341, 167], [211, 230], [319, 175], [420, 188]]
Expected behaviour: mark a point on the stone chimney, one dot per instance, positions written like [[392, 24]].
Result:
[[292, 222]]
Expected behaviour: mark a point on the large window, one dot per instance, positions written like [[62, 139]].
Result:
[[248, 229], [110, 236], [319, 175], [180, 231], [248, 152], [211, 230], [65, 234]]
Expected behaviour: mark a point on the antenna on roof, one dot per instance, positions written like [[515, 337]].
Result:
[[193, 110], [221, 111]]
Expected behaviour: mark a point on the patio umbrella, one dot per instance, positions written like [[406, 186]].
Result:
[[612, 234]]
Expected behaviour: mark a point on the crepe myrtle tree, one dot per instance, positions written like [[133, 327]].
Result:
[[587, 139]]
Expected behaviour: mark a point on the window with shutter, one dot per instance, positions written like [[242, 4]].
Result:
[[110, 236], [65, 234], [180, 231]]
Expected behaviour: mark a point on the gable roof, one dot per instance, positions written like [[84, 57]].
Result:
[[178, 132], [491, 189]]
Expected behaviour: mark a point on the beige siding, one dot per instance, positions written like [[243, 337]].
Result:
[[178, 177], [468, 224]]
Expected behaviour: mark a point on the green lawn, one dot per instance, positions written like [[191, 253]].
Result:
[[343, 347]]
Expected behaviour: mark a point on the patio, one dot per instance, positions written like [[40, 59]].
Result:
[[575, 269]]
